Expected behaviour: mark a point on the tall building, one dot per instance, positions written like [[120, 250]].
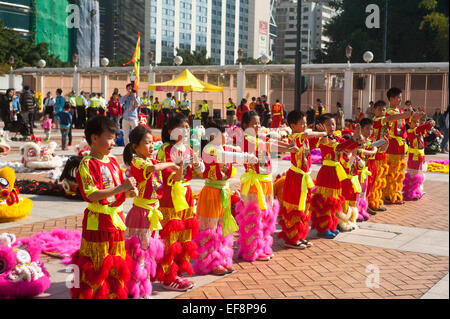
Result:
[[315, 15], [41, 21], [220, 27], [120, 22]]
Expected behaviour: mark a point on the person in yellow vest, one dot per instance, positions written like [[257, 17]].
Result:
[[156, 106], [73, 107], [168, 106], [101, 104], [92, 111], [146, 106], [185, 106], [198, 114], [277, 114], [205, 112], [81, 104], [231, 112]]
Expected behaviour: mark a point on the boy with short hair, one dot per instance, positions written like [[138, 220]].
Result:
[[102, 260], [294, 211], [395, 154]]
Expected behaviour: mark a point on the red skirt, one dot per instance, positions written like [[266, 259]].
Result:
[[347, 191]]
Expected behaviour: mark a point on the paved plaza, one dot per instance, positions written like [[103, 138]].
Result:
[[401, 253]]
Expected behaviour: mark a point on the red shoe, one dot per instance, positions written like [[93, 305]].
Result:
[[230, 269], [176, 285], [219, 271], [188, 282], [399, 202]]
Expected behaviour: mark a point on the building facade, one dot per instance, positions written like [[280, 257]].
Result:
[[315, 15], [41, 21]]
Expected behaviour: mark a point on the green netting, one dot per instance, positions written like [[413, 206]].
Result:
[[50, 26]]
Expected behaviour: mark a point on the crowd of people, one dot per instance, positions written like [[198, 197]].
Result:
[[169, 232]]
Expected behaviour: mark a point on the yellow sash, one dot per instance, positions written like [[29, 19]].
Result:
[[252, 178], [416, 153], [154, 214], [307, 184], [365, 173], [340, 171], [113, 212], [355, 182], [179, 195]]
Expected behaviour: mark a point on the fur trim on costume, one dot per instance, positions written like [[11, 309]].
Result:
[[362, 206], [101, 278], [193, 224], [412, 186], [208, 258], [323, 212], [251, 236], [143, 267], [174, 225], [347, 221], [297, 231], [269, 226], [394, 179]]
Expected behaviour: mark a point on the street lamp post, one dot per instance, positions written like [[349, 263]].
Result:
[[151, 75], [93, 13], [75, 72], [298, 60], [265, 87], [104, 62], [41, 65], [12, 78], [348, 85], [240, 77], [368, 57], [178, 60]]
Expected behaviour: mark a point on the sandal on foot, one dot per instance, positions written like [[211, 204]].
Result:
[[219, 271], [264, 258], [230, 269], [307, 243], [188, 282], [298, 245]]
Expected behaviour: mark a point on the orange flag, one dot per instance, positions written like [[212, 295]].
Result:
[[137, 61]]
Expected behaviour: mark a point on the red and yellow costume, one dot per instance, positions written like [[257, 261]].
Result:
[[327, 200], [412, 185], [294, 206], [378, 167], [351, 188], [102, 258], [179, 223], [257, 212], [143, 224], [215, 240], [277, 115], [365, 175], [395, 158]]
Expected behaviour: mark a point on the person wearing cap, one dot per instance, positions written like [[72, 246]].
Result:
[[185, 106]]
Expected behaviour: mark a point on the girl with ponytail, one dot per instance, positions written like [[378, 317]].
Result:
[[143, 221]]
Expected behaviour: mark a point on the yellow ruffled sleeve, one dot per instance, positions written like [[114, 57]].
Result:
[[87, 181]]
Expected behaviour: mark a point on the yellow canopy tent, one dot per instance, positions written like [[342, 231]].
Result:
[[186, 82]]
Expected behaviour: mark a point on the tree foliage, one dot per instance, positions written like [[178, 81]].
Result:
[[190, 58], [25, 53], [417, 31]]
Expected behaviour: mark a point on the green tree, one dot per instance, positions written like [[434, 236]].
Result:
[[25, 53], [411, 37], [190, 58]]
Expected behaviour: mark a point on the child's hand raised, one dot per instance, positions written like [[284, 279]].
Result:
[[132, 193], [320, 128]]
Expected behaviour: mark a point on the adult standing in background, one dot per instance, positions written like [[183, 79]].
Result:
[[231, 112], [115, 109], [241, 109], [130, 105], [81, 103], [6, 102], [60, 101], [266, 119], [444, 129], [340, 117], [27, 105], [370, 112], [49, 105]]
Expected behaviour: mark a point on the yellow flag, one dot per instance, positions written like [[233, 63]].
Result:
[[137, 61]]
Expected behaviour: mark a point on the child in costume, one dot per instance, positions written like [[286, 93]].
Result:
[[217, 224], [180, 226], [258, 211], [379, 170], [294, 205], [414, 177], [368, 155], [327, 200], [395, 154], [351, 190], [104, 266], [143, 220]]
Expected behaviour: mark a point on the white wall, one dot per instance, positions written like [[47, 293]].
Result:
[[5, 84]]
